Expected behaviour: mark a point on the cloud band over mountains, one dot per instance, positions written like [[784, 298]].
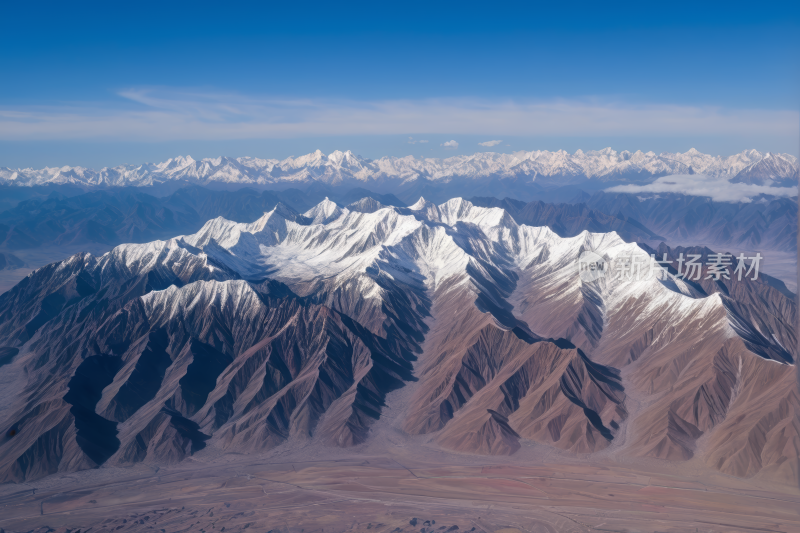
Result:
[[702, 185], [163, 115]]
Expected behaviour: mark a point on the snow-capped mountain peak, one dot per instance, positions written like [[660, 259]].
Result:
[[427, 209], [324, 212], [419, 204]]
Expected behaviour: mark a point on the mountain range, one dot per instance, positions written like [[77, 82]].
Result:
[[131, 216], [117, 216], [245, 336], [540, 167]]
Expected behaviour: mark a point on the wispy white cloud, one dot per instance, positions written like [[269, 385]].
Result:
[[717, 189], [412, 141], [159, 114], [453, 145], [490, 143]]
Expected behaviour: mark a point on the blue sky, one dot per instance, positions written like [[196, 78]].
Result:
[[107, 83]]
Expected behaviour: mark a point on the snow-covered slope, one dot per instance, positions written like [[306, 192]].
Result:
[[538, 166]]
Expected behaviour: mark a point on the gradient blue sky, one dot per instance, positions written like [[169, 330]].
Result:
[[107, 83]]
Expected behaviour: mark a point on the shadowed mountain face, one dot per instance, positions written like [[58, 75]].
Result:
[[245, 336]]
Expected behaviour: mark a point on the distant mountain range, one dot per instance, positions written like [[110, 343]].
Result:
[[296, 328], [539, 167]]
